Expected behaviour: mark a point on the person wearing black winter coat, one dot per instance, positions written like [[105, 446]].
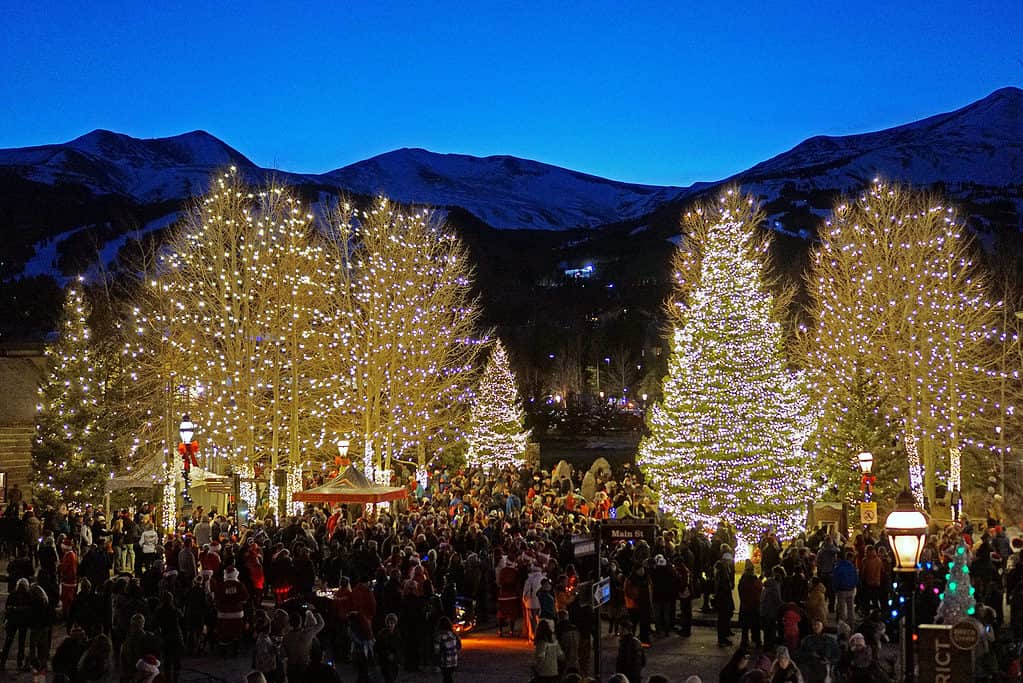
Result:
[[17, 616], [389, 648], [724, 585]]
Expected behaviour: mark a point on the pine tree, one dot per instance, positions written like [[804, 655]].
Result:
[[496, 435], [726, 440], [957, 602], [71, 455]]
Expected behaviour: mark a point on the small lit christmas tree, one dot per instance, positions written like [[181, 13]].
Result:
[[957, 602], [70, 454], [496, 434], [726, 441]]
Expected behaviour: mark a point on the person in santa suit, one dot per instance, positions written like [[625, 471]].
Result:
[[230, 599], [209, 560], [68, 572]]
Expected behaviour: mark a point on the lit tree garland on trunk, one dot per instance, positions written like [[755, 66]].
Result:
[[399, 351], [229, 309]]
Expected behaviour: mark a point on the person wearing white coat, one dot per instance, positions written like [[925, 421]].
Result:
[[531, 600]]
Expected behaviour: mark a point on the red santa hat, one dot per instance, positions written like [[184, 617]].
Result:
[[148, 664]]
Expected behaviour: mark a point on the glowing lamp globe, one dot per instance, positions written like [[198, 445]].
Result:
[[866, 461], [186, 430], [342, 448], [907, 532]]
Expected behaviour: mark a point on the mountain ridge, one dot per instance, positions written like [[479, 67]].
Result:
[[980, 143], [93, 189]]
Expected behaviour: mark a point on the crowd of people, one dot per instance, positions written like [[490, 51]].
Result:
[[395, 589]]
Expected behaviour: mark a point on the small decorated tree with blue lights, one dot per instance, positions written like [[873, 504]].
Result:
[[957, 602]]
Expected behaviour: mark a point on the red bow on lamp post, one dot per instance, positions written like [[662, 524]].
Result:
[[188, 451], [867, 483]]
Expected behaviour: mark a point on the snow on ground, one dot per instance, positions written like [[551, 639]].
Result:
[[108, 254], [45, 260]]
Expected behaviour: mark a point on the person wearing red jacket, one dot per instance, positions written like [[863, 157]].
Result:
[[363, 600], [230, 599], [68, 572], [254, 566]]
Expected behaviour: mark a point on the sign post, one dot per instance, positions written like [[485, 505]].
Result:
[[868, 513], [612, 531], [621, 530], [583, 546]]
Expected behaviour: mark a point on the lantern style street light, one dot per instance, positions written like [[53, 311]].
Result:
[[907, 533], [186, 430], [866, 462], [343, 453], [187, 449]]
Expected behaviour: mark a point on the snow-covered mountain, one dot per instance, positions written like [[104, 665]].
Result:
[[107, 163], [59, 201], [503, 191], [981, 143], [974, 155]]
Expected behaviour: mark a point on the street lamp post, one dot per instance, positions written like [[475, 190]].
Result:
[[187, 448], [907, 533], [866, 461]]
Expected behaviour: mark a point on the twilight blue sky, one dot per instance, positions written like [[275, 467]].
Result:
[[642, 92]]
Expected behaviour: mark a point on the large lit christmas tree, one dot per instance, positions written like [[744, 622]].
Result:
[[70, 456], [726, 441], [496, 435]]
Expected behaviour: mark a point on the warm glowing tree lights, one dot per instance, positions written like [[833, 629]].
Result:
[[905, 340], [726, 441], [398, 353], [222, 326], [281, 334], [496, 435], [71, 456]]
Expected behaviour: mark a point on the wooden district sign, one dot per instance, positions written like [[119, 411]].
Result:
[[941, 653]]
